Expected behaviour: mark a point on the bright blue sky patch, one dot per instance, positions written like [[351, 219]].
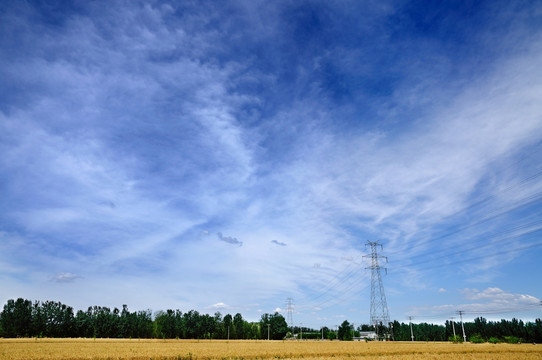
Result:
[[240, 153]]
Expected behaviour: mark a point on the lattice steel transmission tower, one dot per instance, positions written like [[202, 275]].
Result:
[[379, 307], [289, 311]]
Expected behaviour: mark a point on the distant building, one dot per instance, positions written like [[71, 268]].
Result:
[[365, 335]]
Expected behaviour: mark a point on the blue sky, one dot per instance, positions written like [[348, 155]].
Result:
[[226, 156]]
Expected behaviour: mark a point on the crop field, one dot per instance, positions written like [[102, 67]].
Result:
[[12, 349]]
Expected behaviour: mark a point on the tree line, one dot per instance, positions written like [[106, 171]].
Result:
[[24, 318], [479, 330], [504, 330]]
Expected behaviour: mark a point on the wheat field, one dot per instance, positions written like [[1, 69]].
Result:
[[72, 349]]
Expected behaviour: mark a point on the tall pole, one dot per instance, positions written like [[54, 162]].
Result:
[[322, 333], [379, 306], [462, 327], [301, 331], [289, 312], [453, 325], [411, 332]]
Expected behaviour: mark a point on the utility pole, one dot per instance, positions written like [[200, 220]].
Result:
[[411, 332], [228, 332], [322, 333], [453, 325], [268, 326], [379, 306], [301, 331], [462, 327]]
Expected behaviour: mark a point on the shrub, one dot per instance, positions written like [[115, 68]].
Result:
[[512, 339], [494, 340], [476, 339], [455, 339]]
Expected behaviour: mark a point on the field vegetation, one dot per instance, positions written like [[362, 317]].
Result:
[[75, 349]]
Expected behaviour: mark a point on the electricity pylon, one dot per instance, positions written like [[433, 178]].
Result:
[[379, 307], [289, 311]]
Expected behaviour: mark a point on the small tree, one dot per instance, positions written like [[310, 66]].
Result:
[[456, 339], [476, 339], [345, 331], [493, 340]]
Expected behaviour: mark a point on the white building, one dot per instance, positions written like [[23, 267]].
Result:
[[365, 335]]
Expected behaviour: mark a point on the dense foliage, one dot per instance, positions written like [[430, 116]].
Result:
[[24, 318], [480, 330]]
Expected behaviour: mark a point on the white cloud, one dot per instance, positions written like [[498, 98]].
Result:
[[499, 297], [64, 277], [220, 305]]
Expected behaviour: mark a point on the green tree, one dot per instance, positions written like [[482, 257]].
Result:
[[279, 327], [228, 328], [39, 320], [165, 324], [143, 327], [59, 319], [239, 326], [221, 332], [17, 318], [190, 322], [83, 324], [345, 331]]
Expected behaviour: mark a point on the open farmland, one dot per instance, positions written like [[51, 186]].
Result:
[[12, 349]]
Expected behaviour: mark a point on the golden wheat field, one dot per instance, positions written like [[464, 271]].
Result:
[[15, 349]]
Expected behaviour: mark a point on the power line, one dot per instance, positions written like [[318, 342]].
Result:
[[485, 256], [470, 249], [337, 286], [507, 310], [531, 199], [338, 279]]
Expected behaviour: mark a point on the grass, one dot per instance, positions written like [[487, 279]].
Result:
[[76, 349]]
